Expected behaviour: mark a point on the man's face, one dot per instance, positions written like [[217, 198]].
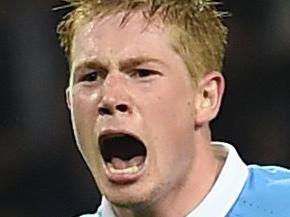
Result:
[[133, 108]]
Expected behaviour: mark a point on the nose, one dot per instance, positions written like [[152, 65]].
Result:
[[113, 108], [115, 98]]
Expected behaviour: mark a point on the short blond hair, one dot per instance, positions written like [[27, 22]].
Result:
[[198, 34]]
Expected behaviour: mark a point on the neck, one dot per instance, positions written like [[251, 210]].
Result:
[[186, 196]]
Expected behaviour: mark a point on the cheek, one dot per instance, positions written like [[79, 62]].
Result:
[[84, 112], [84, 119], [172, 109], [84, 102], [170, 118]]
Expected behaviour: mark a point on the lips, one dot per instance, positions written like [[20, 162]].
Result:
[[124, 156]]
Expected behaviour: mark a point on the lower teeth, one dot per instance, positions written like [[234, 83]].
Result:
[[129, 170]]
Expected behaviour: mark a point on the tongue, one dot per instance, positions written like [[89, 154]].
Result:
[[123, 164]]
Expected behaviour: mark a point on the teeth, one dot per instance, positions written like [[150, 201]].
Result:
[[130, 170]]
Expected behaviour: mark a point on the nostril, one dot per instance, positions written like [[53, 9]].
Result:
[[105, 111], [122, 108]]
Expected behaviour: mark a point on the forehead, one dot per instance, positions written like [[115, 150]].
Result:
[[106, 36]]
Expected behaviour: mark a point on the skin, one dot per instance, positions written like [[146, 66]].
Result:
[[159, 105]]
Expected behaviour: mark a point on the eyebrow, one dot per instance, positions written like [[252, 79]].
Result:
[[123, 64], [136, 61], [91, 64]]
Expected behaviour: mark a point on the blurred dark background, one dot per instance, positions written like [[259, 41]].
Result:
[[42, 173]]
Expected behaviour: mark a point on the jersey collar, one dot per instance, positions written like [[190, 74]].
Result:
[[228, 186]]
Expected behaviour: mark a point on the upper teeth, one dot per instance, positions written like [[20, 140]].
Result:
[[129, 170]]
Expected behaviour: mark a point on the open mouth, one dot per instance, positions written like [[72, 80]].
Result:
[[123, 154]]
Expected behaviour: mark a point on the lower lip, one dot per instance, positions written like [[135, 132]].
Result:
[[125, 178]]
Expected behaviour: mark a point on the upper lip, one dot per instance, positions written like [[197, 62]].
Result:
[[108, 133]]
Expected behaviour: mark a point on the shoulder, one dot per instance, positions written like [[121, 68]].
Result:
[[269, 178], [266, 193], [92, 215], [97, 214]]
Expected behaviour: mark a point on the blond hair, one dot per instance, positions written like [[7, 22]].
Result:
[[197, 32]]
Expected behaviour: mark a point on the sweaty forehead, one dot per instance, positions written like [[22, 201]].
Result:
[[106, 34]]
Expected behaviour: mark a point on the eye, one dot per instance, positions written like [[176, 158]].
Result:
[[143, 73], [92, 76]]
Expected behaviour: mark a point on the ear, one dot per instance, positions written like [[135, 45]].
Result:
[[68, 97], [210, 92]]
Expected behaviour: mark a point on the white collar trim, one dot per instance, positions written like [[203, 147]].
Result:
[[228, 186]]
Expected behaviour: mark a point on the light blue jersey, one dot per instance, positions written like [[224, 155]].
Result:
[[265, 194]]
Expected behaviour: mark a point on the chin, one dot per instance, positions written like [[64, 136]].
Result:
[[130, 197]]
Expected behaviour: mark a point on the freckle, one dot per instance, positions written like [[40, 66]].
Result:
[[189, 103]]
